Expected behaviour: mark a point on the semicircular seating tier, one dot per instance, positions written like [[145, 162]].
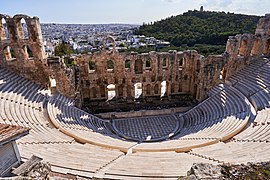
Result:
[[221, 129]]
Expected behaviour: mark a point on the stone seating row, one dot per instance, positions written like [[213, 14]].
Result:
[[236, 152], [83, 126], [73, 158]]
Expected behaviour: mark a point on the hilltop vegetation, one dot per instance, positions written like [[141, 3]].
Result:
[[194, 28]]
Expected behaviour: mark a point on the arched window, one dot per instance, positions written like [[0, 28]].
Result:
[[138, 90], [28, 53], [102, 90], [164, 62], [138, 66], [163, 88], [148, 63], [110, 64], [92, 65], [127, 64], [22, 28], [243, 47], [3, 30], [111, 91], [9, 53]]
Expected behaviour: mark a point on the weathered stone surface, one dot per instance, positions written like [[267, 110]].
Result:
[[184, 72], [205, 171]]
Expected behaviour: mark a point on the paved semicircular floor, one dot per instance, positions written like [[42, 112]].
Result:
[[153, 128]]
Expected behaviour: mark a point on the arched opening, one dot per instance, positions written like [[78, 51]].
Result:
[[93, 92], [92, 66], [156, 89], [148, 63], [138, 90], [138, 66], [243, 47], [9, 53], [148, 89], [102, 91], [223, 73], [22, 28], [127, 64], [129, 91], [111, 92], [110, 65], [3, 30], [164, 62], [256, 46], [163, 88], [28, 53], [172, 88], [267, 47], [120, 90], [109, 43]]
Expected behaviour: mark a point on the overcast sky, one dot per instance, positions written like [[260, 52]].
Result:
[[124, 11]]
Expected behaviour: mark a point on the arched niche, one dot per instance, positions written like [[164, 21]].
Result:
[[110, 65], [127, 64], [138, 90], [111, 92], [163, 88], [156, 89], [138, 66], [148, 63], [243, 47], [108, 42]]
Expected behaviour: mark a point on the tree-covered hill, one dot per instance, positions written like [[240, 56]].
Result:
[[200, 27]]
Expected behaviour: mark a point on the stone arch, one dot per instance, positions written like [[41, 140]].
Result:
[[28, 53], [9, 53], [4, 34], [106, 40], [127, 64], [22, 25], [148, 89], [148, 63], [164, 62], [156, 89], [138, 90], [110, 64], [138, 66], [163, 88], [111, 92], [256, 46], [243, 47], [91, 65]]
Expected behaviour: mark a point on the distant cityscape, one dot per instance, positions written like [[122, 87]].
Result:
[[87, 38]]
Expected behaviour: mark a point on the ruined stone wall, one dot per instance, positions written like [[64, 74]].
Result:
[[95, 74], [23, 52], [178, 69]]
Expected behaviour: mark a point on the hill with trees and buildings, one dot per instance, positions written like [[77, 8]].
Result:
[[204, 31]]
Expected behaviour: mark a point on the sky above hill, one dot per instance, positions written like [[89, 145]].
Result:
[[124, 11]]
